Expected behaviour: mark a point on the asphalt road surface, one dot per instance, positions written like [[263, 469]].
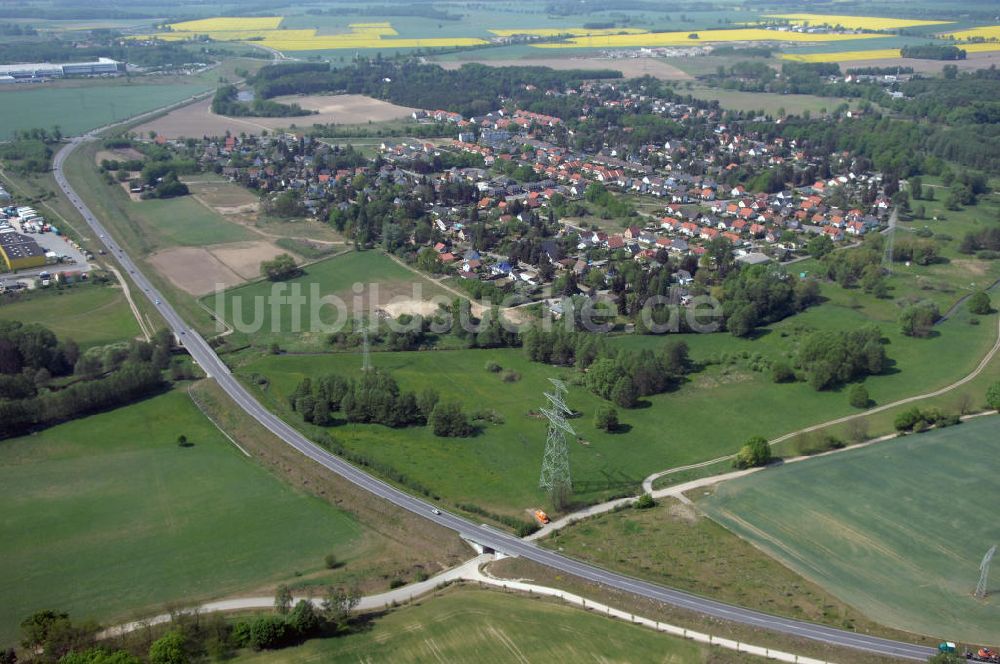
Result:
[[482, 534]]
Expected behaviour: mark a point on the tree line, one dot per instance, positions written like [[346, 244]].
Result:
[[472, 89], [32, 358]]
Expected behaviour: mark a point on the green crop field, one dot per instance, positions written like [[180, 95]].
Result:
[[896, 529], [79, 109], [106, 517], [90, 315], [667, 544], [466, 625]]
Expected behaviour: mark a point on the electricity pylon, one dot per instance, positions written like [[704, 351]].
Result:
[[555, 476], [984, 572], [366, 360]]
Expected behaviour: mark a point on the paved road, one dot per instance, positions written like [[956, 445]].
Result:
[[498, 540]]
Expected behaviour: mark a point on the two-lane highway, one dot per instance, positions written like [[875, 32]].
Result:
[[509, 544]]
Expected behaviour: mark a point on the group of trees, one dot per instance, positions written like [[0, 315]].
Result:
[[754, 453], [375, 398], [31, 357], [280, 268], [763, 294], [620, 376], [861, 266], [30, 151], [226, 102], [834, 358], [916, 420], [986, 240], [932, 52], [611, 206], [917, 320], [160, 170]]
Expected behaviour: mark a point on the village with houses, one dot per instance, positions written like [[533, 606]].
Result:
[[511, 177]]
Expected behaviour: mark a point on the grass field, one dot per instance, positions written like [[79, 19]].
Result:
[[464, 625], [107, 517], [896, 529], [184, 222], [76, 110], [90, 315], [499, 468], [382, 279], [668, 544], [141, 235], [770, 103]]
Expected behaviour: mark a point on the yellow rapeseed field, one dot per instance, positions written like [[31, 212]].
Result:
[[315, 42], [264, 31], [877, 54], [576, 32], [980, 48], [855, 22], [844, 56], [704, 37], [985, 32]]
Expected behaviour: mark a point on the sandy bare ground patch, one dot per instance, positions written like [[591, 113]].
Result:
[[244, 258], [123, 154], [629, 67], [198, 270], [347, 109], [410, 306], [194, 270], [197, 120], [225, 197]]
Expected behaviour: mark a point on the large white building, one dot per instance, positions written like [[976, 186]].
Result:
[[49, 70]]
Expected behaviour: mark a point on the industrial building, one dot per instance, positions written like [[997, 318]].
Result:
[[19, 252], [103, 66]]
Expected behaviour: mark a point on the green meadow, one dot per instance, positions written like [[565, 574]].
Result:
[[465, 625], [708, 416], [91, 315], [108, 518]]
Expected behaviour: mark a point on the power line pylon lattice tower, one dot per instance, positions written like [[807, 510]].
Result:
[[366, 360], [890, 239], [984, 572], [555, 462]]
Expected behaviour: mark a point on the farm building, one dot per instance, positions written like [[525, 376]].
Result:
[[20, 252]]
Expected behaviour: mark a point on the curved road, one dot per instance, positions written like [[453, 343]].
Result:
[[500, 541]]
